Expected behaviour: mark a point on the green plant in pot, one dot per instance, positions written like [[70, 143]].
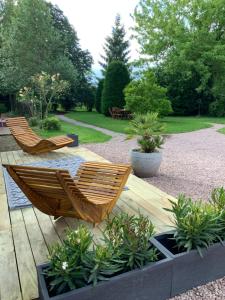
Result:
[[146, 160]]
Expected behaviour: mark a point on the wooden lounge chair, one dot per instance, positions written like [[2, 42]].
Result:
[[90, 197], [30, 142]]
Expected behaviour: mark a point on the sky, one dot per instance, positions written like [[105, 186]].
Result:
[[93, 21]]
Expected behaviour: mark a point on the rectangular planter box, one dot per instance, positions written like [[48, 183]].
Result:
[[152, 282], [75, 140], [189, 268]]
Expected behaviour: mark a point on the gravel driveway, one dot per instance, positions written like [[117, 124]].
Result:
[[193, 162]]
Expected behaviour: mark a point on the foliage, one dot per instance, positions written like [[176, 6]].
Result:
[[36, 37], [128, 237], [186, 39], [89, 96], [34, 121], [75, 263], [116, 79], [145, 95], [116, 46], [43, 89], [3, 108], [51, 123], [66, 271], [98, 96], [197, 224], [80, 59], [147, 128]]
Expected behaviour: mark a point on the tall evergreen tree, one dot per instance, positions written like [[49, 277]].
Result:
[[116, 46], [116, 79]]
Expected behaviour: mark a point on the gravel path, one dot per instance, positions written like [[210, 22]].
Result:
[[193, 163]]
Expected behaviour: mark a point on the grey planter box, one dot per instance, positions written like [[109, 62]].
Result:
[[189, 268], [75, 140], [153, 282]]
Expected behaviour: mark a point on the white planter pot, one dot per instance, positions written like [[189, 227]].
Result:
[[145, 164]]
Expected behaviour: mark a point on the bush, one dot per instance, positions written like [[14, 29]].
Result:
[[217, 108], [145, 95], [197, 225], [98, 95], [116, 79], [3, 108], [74, 264], [34, 121], [51, 123]]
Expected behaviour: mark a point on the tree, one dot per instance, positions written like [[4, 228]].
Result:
[[145, 95], [34, 37], [43, 89], [98, 96], [184, 35], [116, 46], [81, 59], [116, 79]]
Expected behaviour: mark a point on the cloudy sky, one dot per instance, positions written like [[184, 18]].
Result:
[[93, 20]]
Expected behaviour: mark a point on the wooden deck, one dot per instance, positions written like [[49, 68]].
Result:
[[26, 234]]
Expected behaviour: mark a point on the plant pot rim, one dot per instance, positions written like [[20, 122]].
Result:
[[152, 265], [162, 248], [139, 151]]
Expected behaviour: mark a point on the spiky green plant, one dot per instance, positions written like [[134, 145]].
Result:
[[147, 128], [129, 236], [197, 224]]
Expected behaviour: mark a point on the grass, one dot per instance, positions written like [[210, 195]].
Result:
[[85, 135], [172, 124], [99, 120]]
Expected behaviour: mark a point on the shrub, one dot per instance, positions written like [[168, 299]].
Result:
[[217, 108], [51, 123], [147, 128], [74, 263], [145, 95], [129, 236], [3, 108], [197, 224], [116, 79], [34, 121], [98, 95]]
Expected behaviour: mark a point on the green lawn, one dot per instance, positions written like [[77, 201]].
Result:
[[86, 135], [172, 124]]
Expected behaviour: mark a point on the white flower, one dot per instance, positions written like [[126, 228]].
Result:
[[64, 265]]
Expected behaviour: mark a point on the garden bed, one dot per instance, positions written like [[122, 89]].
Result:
[[151, 282], [189, 268]]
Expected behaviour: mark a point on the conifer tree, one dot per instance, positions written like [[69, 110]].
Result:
[[116, 46]]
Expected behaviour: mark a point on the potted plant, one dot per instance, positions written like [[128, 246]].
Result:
[[126, 265], [196, 243], [146, 160]]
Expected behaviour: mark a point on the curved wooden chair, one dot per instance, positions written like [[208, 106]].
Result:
[[32, 143], [90, 197]]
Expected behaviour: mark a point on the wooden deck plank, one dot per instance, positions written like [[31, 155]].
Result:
[[27, 234], [24, 256], [9, 278]]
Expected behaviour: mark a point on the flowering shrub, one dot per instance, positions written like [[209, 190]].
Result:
[[41, 92], [79, 261]]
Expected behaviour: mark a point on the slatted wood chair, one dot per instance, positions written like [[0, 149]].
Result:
[[91, 196], [32, 143]]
